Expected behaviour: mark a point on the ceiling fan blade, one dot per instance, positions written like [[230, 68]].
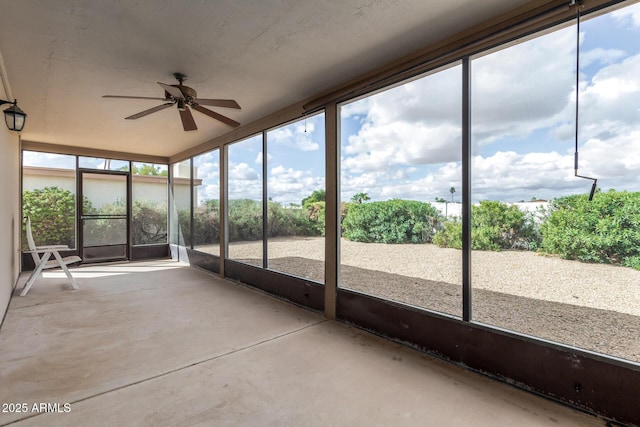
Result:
[[187, 119], [213, 114], [172, 90], [149, 111], [227, 103], [133, 97]]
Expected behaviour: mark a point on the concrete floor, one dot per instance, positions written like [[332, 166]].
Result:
[[162, 344]]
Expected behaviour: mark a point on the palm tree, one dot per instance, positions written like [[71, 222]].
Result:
[[360, 197], [452, 190]]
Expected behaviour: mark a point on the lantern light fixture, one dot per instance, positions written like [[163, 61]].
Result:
[[14, 116]]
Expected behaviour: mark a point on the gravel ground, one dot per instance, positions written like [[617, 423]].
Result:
[[591, 306]]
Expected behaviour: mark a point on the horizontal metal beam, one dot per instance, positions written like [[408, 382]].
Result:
[[92, 152]]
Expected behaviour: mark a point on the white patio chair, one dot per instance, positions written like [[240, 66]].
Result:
[[43, 263]]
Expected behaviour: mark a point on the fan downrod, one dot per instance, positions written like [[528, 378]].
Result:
[[180, 77]]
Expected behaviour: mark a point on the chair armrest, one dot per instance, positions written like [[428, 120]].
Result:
[[50, 248]]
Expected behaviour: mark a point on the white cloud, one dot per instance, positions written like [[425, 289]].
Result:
[[207, 171], [298, 135], [614, 161], [510, 176], [523, 88], [402, 143], [61, 161], [244, 182], [414, 124], [628, 14], [358, 108], [242, 172], [600, 56], [288, 185], [610, 102], [382, 185], [208, 192], [259, 158]]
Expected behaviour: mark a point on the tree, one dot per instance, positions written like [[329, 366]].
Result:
[[360, 197], [452, 190], [316, 196], [146, 169]]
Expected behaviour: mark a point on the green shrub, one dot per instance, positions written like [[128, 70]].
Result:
[[181, 231], [52, 212], [494, 226], [295, 220], [604, 230], [206, 223], [315, 215], [245, 220], [149, 222], [281, 221], [391, 221], [315, 207], [450, 236], [105, 231]]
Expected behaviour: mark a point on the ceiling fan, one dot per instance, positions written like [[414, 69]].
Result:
[[184, 97]]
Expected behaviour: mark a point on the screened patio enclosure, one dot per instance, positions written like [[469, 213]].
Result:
[[437, 202]]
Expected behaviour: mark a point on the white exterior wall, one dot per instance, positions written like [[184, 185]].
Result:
[[34, 182], [153, 188], [10, 221]]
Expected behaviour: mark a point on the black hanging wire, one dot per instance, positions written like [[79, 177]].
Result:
[[578, 5]]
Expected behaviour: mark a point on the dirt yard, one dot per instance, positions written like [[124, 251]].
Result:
[[590, 306]]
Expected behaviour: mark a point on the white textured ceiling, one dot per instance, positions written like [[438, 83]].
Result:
[[61, 56]]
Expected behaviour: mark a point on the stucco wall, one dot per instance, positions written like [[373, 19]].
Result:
[[153, 188], [9, 213]]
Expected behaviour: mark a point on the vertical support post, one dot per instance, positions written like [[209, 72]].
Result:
[[129, 211], [170, 214], [466, 189], [17, 241], [265, 202], [191, 190], [222, 203], [332, 216], [79, 242]]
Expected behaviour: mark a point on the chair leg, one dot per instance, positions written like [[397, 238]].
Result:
[[66, 270], [36, 273]]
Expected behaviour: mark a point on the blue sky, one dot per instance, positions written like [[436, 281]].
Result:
[[295, 162], [405, 142]]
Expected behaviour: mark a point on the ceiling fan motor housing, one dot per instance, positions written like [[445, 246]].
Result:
[[186, 91]]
